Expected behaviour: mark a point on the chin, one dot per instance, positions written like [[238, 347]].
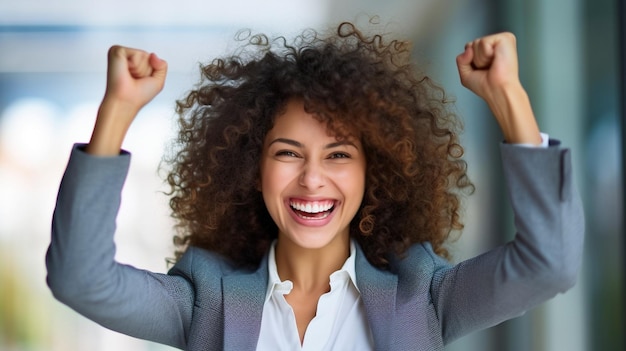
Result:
[[313, 239]]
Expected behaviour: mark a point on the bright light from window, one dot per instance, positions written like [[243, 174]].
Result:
[[27, 128]]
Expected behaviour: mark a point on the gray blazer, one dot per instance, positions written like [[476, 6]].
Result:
[[422, 303]]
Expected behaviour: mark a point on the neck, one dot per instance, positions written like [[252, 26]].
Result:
[[310, 269]]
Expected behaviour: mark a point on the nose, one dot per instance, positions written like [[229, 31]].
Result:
[[312, 175]]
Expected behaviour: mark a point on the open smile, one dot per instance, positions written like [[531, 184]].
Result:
[[312, 209]]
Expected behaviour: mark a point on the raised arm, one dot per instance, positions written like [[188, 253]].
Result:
[[82, 271], [545, 256]]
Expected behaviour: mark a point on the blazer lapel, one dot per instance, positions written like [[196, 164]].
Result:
[[378, 290], [244, 296]]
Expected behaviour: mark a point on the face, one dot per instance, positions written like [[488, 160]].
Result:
[[312, 184]]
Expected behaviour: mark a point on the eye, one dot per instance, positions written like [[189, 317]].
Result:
[[286, 153], [339, 155]]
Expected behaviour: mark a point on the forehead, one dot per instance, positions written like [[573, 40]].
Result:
[[294, 119]]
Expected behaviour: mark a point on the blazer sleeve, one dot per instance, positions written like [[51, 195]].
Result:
[[541, 261], [82, 271]]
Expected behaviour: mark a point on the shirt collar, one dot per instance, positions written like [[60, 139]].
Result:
[[274, 279]]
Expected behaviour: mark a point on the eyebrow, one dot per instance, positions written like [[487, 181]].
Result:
[[300, 145]]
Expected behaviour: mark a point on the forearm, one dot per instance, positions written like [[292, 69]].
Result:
[[543, 259], [512, 109], [114, 119], [82, 271], [81, 253]]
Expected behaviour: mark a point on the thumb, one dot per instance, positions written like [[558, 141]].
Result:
[[159, 68], [464, 64]]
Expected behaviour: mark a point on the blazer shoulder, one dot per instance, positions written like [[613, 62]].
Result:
[[416, 268], [204, 265], [197, 263]]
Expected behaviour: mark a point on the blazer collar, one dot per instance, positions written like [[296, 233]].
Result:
[[378, 291], [243, 307]]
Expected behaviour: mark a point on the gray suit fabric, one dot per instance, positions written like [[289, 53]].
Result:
[[422, 303]]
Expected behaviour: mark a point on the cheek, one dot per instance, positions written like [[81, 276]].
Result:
[[355, 176], [274, 178], [351, 183]]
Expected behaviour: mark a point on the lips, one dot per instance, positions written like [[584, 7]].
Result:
[[312, 209]]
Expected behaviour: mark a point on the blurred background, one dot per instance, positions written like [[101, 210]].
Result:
[[52, 77]]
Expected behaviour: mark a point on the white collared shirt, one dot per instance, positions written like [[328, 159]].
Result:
[[339, 324]]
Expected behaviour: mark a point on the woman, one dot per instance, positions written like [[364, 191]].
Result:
[[315, 186]]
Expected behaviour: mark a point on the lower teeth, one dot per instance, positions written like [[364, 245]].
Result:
[[322, 217], [319, 215]]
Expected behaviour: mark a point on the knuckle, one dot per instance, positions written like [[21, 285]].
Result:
[[114, 50], [510, 36], [484, 44]]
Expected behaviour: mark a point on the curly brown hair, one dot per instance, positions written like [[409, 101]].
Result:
[[359, 86]]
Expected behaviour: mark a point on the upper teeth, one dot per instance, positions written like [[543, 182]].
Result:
[[312, 207]]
